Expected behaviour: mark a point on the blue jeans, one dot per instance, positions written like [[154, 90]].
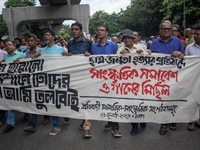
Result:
[[55, 121], [11, 118], [2, 115]]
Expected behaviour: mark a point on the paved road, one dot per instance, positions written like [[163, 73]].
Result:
[[71, 138]]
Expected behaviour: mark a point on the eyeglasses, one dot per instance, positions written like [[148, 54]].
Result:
[[135, 35], [197, 34], [46, 35], [174, 30], [166, 29], [101, 30]]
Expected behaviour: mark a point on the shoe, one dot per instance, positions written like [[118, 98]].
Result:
[[191, 126], [8, 128], [1, 123], [54, 131], [108, 127], [67, 121], [197, 123], [30, 129], [81, 126], [134, 131], [87, 134], [143, 125], [45, 121], [25, 119]]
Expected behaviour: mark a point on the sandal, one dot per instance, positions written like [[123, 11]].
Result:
[[116, 133], [163, 130], [54, 131], [172, 126]]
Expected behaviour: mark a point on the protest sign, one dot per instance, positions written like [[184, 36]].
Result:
[[122, 88]]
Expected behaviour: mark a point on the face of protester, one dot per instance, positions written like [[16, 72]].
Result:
[[32, 43], [48, 37], [76, 32], [166, 30], [128, 41], [10, 47], [2, 45], [115, 40], [197, 36], [23, 42], [186, 34], [17, 43], [101, 32], [136, 36], [175, 31], [120, 36]]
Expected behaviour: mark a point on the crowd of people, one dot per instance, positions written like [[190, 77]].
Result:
[[170, 41]]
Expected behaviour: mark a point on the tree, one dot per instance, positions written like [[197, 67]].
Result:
[[101, 17], [3, 27], [173, 11], [143, 16], [65, 32], [19, 3]]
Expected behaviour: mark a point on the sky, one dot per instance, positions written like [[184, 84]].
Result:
[[108, 6]]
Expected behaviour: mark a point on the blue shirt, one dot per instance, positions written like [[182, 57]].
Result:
[[14, 56], [160, 46], [109, 48], [55, 49], [23, 48], [80, 47], [192, 49], [142, 42]]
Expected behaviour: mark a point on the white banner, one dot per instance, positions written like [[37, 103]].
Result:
[[122, 88]]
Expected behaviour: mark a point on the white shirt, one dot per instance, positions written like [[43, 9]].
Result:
[[132, 50]]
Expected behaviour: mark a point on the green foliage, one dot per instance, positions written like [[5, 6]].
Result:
[[101, 17], [19, 3], [174, 12], [140, 15], [143, 16], [3, 27], [65, 32]]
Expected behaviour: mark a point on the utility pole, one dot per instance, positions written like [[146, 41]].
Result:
[[184, 17]]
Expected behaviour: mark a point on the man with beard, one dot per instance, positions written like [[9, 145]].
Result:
[[2, 45], [19, 46]]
